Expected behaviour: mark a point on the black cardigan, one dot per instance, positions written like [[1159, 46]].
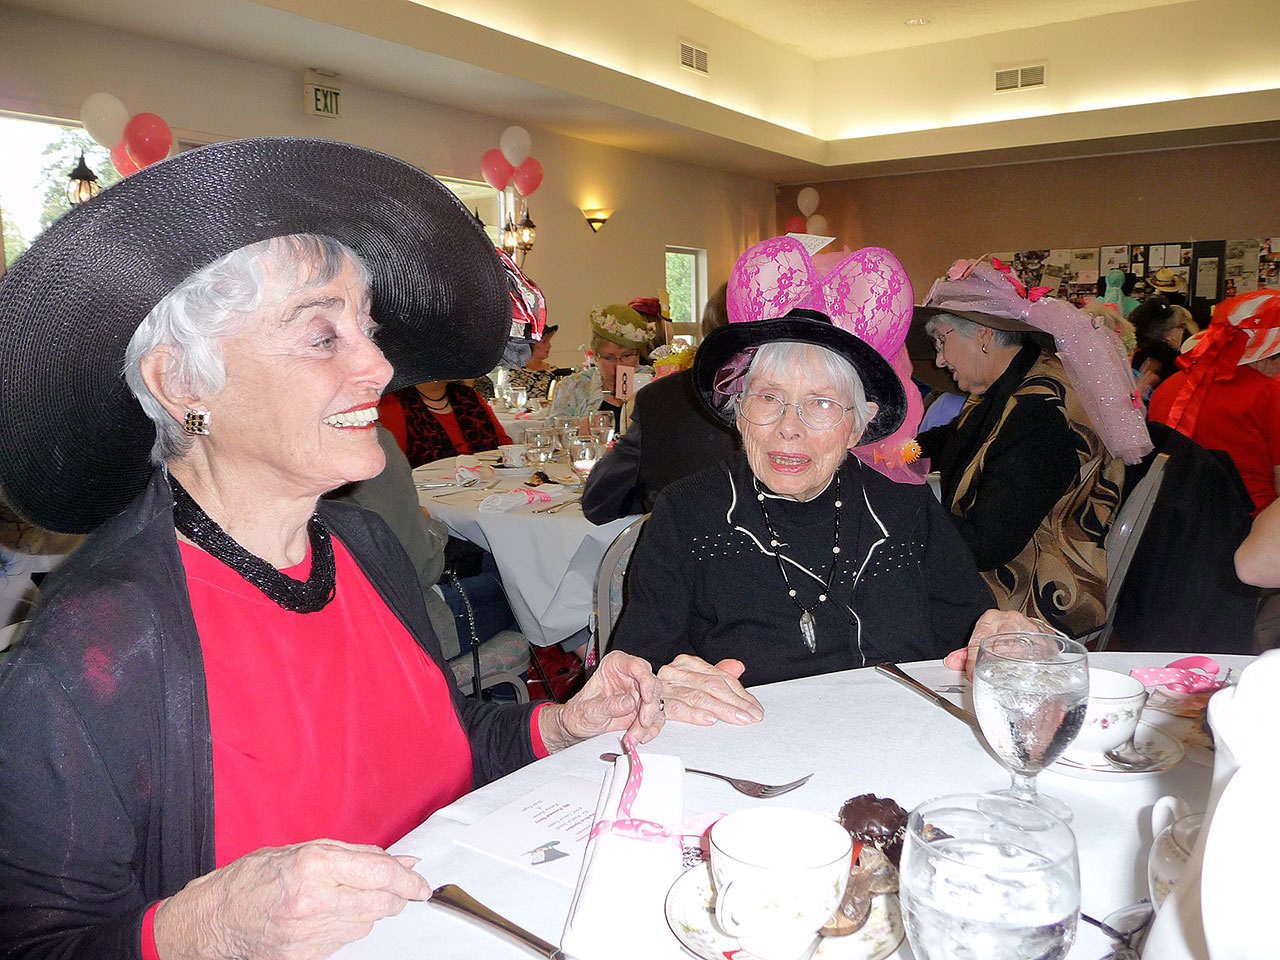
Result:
[[701, 582], [106, 764]]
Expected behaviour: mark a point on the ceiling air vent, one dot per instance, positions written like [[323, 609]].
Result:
[[1019, 78], [693, 58]]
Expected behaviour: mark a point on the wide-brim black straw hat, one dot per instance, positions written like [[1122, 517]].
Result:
[[881, 383], [74, 443]]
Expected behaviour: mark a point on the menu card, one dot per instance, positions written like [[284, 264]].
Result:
[[544, 831]]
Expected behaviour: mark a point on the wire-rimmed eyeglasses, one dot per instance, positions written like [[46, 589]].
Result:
[[940, 342], [816, 413]]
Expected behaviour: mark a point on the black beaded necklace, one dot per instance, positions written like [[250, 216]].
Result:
[[299, 596], [808, 627]]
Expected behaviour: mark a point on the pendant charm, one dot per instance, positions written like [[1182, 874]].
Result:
[[807, 631]]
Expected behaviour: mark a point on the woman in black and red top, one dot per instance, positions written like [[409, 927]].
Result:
[[440, 419]]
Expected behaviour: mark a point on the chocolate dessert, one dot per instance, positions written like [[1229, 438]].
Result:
[[876, 821]]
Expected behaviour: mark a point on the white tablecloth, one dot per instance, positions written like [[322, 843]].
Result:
[[857, 732], [548, 562], [516, 427]]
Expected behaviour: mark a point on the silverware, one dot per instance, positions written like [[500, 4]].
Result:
[[452, 897], [433, 484], [1127, 942], [894, 672], [464, 487], [1128, 757], [557, 507], [761, 791]]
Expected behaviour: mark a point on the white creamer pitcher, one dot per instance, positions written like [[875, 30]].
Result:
[[1223, 905]]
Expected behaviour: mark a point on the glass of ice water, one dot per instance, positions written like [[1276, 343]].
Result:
[[541, 445], [1030, 691], [987, 877], [602, 426]]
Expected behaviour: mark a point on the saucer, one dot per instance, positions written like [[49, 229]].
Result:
[[1166, 749], [691, 915]]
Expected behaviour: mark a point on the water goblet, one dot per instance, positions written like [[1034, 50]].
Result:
[[1030, 692], [541, 445], [519, 398], [601, 424], [985, 876], [566, 429], [583, 455]]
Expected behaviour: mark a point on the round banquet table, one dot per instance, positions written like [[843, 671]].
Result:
[[857, 732], [548, 561], [516, 426]]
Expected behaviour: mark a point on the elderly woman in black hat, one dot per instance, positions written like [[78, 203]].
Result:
[[792, 558], [1026, 475], [231, 697]]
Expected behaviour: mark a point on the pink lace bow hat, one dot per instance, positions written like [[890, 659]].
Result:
[[777, 294]]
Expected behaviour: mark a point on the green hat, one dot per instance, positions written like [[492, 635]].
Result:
[[620, 324]]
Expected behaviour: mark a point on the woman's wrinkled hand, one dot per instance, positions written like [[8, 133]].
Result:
[[988, 625], [699, 692], [622, 694], [300, 902]]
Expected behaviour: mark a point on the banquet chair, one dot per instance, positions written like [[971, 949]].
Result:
[[1122, 541], [9, 637], [610, 579], [503, 657]]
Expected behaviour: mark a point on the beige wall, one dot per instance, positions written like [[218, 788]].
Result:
[[49, 65], [930, 219]]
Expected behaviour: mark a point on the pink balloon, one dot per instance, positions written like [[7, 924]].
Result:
[[794, 224], [495, 169], [528, 176], [122, 161], [147, 138]]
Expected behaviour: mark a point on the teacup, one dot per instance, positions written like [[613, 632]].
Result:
[[779, 875], [514, 454], [1115, 704]]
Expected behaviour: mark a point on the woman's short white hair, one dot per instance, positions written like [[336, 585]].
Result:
[[213, 303], [784, 361], [968, 329]]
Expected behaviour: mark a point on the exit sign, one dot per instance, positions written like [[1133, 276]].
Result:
[[321, 93]]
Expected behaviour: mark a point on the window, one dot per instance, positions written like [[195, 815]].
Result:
[[34, 166], [482, 200], [686, 289]]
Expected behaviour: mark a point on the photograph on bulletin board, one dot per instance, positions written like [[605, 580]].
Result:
[[1269, 263]]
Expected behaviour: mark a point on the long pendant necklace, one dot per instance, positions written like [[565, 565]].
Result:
[[299, 596], [808, 626]]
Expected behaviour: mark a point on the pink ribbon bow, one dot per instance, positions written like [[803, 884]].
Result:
[[1188, 675], [628, 826]]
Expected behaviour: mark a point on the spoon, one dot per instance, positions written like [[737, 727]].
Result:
[[1128, 757]]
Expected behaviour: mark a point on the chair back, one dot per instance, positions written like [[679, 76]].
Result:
[[610, 579], [9, 635], [1124, 535]]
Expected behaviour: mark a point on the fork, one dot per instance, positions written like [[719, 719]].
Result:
[[556, 508], [761, 791]]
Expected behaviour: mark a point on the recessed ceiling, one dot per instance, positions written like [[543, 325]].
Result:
[[827, 29]]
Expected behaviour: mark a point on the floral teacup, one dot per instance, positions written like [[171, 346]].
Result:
[[1115, 704]]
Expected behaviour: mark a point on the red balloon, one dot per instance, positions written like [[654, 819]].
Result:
[[795, 224], [495, 169], [528, 176], [147, 138], [121, 159]]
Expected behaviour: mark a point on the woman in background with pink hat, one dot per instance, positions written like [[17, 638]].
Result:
[[1227, 397], [1032, 469]]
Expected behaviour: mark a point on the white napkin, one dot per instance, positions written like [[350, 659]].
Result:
[[618, 910], [519, 497], [466, 467]]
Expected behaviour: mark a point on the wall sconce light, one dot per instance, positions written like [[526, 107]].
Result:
[[510, 238], [526, 234], [596, 218], [83, 184]]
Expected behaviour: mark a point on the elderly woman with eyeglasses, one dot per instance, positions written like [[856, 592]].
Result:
[[792, 558]]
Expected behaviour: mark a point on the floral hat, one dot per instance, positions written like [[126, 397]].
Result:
[[988, 292], [620, 324]]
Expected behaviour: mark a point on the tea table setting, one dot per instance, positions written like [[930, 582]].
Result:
[[546, 551], [599, 857]]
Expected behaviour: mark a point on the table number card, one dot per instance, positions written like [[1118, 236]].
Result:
[[544, 831]]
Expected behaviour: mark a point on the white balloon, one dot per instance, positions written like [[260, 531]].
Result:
[[104, 117], [817, 224], [807, 201], [515, 144]]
